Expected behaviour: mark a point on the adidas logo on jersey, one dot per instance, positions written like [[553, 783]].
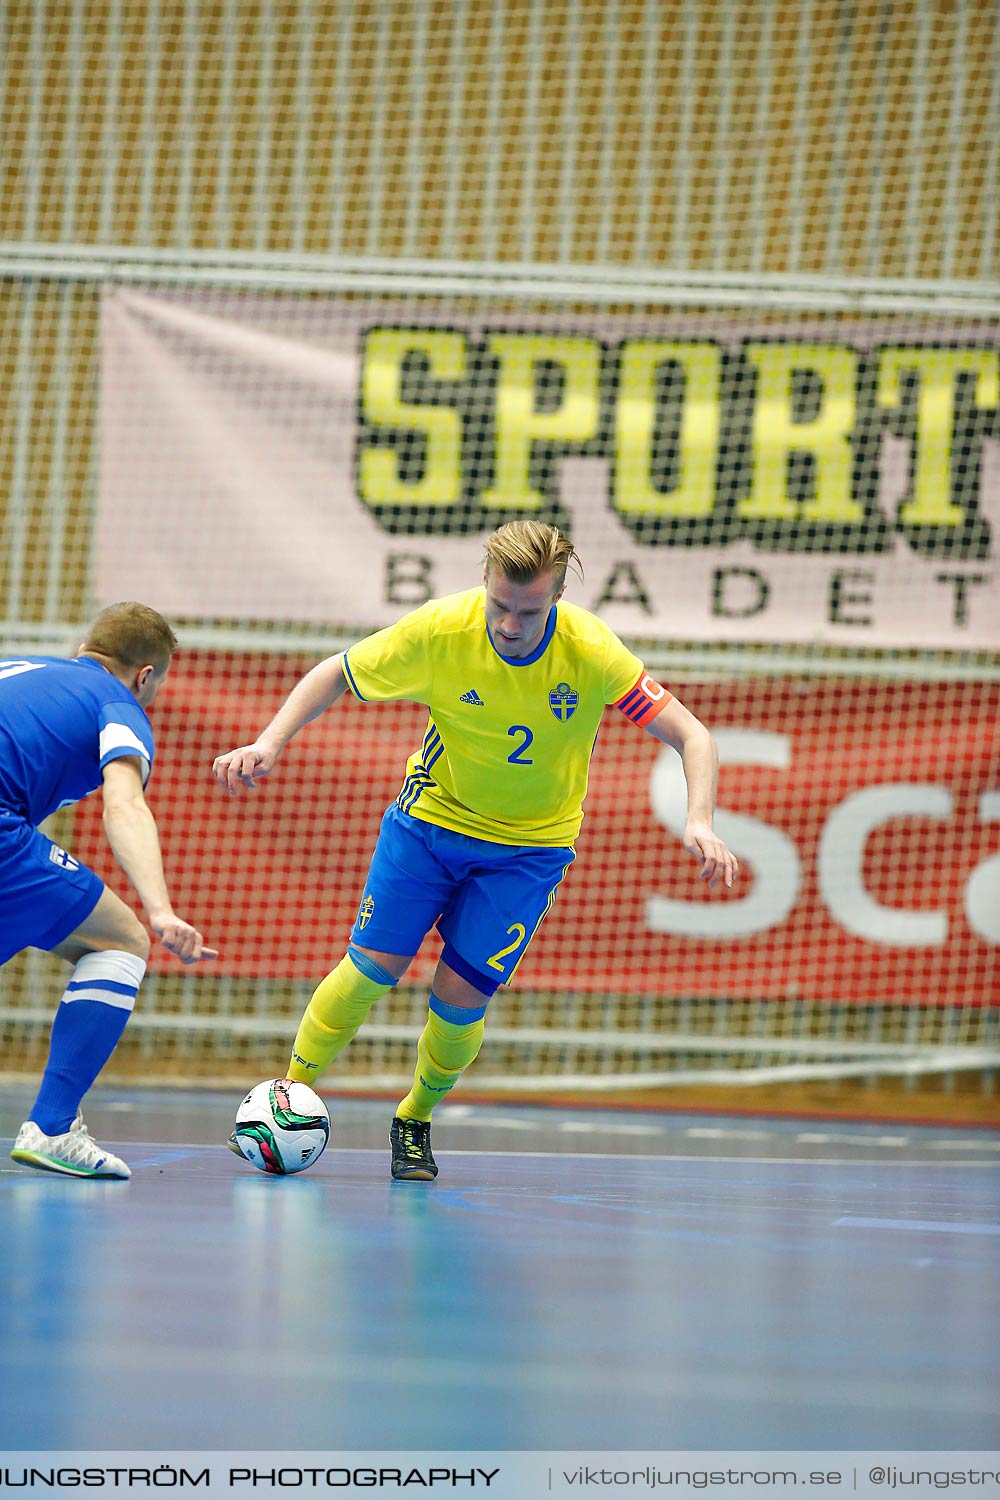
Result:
[[472, 697]]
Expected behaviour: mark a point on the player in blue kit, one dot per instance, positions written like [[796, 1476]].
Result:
[[477, 842], [66, 728]]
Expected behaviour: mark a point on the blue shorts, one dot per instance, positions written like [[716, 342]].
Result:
[[44, 892], [487, 899]]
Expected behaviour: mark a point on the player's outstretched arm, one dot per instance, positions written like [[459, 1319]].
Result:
[[131, 831], [677, 726], [318, 690]]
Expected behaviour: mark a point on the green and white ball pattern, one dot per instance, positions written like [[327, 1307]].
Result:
[[282, 1126]]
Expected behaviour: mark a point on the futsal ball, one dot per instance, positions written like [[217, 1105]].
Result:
[[282, 1126]]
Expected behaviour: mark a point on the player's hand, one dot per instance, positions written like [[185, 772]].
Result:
[[243, 767], [180, 938], [718, 862]]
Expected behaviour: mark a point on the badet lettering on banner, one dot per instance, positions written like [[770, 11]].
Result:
[[336, 463]]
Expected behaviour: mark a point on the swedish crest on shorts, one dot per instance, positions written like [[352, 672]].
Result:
[[563, 700], [366, 911]]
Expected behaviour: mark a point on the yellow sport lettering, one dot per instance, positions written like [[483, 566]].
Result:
[[776, 434], [379, 478], [635, 429], [520, 423], [930, 504]]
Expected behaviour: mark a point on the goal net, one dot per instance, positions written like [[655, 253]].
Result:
[[297, 305]]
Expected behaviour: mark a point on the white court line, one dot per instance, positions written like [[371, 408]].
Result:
[[743, 1161], [458, 1369], [719, 1133], [828, 1138], [970, 1144], [790, 1161], [923, 1226]]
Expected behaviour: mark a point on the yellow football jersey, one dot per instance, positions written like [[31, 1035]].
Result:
[[508, 744]]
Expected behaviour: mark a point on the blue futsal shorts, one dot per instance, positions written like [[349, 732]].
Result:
[[487, 899], [44, 892]]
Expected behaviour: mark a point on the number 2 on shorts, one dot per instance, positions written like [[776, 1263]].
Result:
[[495, 961]]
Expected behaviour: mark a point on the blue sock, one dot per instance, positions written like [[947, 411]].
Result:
[[92, 1015]]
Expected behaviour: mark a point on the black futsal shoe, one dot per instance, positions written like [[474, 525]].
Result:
[[411, 1151]]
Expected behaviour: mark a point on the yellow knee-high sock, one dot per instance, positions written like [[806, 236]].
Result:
[[337, 1008], [444, 1052]]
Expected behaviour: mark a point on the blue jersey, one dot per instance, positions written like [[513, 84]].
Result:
[[61, 722]]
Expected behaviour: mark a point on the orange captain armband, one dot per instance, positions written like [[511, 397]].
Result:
[[643, 700]]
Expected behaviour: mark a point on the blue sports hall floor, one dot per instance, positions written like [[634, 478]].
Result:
[[574, 1279]]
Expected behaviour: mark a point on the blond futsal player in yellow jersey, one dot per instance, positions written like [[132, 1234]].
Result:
[[481, 834]]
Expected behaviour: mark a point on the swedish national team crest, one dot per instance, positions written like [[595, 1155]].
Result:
[[365, 911], [564, 700]]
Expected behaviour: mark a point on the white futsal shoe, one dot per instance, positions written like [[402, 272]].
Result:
[[75, 1154]]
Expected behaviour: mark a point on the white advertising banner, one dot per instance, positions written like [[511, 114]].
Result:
[[334, 462]]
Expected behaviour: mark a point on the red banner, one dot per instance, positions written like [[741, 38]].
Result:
[[866, 816]]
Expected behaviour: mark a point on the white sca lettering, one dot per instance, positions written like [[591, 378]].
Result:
[[775, 860], [777, 866]]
